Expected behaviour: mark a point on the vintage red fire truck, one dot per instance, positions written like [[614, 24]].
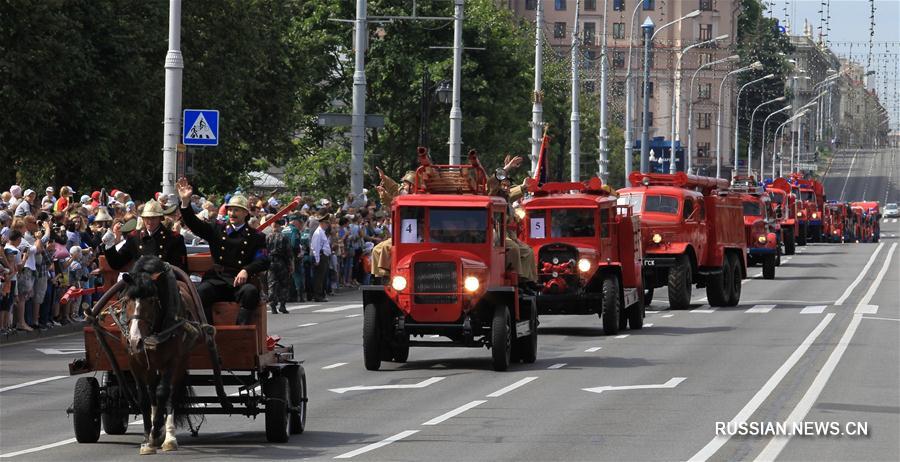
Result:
[[784, 208], [812, 205], [868, 215], [691, 233], [448, 274], [837, 222], [761, 231], [588, 253]]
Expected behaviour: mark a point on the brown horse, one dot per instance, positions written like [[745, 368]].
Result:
[[160, 336]]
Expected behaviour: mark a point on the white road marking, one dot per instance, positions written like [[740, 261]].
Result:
[[816, 309], [335, 309], [308, 324], [859, 277], [894, 220], [353, 315], [332, 366], [777, 444], [880, 319], [373, 446], [622, 336], [512, 387], [649, 324], [866, 309], [593, 349], [668, 315], [864, 306], [558, 366], [422, 384], [39, 448], [60, 351], [744, 414], [301, 307], [671, 383], [33, 382], [848, 175], [650, 312], [760, 309], [455, 412], [703, 310]]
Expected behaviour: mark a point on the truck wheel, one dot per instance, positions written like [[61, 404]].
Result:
[[734, 295], [648, 296], [680, 284], [768, 271], [299, 398], [778, 255], [801, 238], [400, 351], [371, 338], [717, 284], [527, 346], [501, 338], [275, 390], [612, 306], [815, 233], [789, 242], [86, 407], [635, 315]]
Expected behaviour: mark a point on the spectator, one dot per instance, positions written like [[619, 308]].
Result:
[[281, 267], [320, 248], [25, 205], [49, 199], [15, 261], [62, 204]]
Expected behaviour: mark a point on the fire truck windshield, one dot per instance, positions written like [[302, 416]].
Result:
[[459, 226], [776, 197], [752, 209], [572, 223], [808, 195]]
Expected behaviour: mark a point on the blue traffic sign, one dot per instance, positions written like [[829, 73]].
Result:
[[201, 127]]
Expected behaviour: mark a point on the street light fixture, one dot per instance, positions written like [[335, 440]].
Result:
[[762, 153], [444, 92], [690, 118], [676, 83], [754, 66], [750, 141], [775, 140], [737, 108]]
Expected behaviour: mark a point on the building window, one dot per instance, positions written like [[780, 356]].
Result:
[[619, 59], [705, 58], [560, 5], [590, 5], [703, 149], [703, 119], [705, 32], [649, 5], [618, 30], [649, 89], [559, 30], [590, 31], [530, 5], [704, 90], [706, 5], [618, 5]]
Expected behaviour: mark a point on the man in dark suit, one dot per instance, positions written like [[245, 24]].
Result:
[[154, 239], [238, 252]]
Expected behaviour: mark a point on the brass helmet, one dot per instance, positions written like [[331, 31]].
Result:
[[239, 201], [102, 215], [152, 209], [410, 177]]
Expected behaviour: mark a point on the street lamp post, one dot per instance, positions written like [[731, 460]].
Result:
[[762, 153], [676, 93], [456, 110], [537, 103], [775, 143], [629, 103], [750, 141], [755, 65], [602, 160], [575, 118], [737, 108], [690, 131], [172, 112]]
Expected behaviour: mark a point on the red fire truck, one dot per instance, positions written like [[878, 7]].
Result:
[[588, 253], [784, 206], [869, 217], [837, 222], [691, 232], [812, 206], [448, 274], [761, 231]]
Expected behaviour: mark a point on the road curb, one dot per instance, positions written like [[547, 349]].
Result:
[[21, 336]]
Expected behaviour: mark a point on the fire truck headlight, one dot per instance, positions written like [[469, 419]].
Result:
[[761, 239], [835, 232], [398, 283], [657, 238], [799, 214], [471, 284], [815, 215], [584, 265]]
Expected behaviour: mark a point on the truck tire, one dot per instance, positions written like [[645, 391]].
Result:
[[789, 241], [86, 410], [768, 271], [400, 351], [648, 296], [501, 338], [778, 255], [734, 294], [680, 284], [815, 233], [611, 305], [526, 347], [371, 338], [275, 390], [299, 398], [716, 287], [635, 315], [801, 237]]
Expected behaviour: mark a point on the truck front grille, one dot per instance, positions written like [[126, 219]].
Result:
[[435, 277]]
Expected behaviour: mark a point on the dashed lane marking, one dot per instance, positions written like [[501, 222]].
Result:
[[353, 315], [668, 315], [557, 366], [864, 307], [512, 387], [881, 319], [335, 365], [671, 383], [422, 384], [760, 309], [622, 336], [593, 349], [816, 309], [374, 446], [308, 324], [649, 324], [455, 412], [335, 309], [703, 310], [301, 307]]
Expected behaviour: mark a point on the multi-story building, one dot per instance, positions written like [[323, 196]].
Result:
[[862, 116]]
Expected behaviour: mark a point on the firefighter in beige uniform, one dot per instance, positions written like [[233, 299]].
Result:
[[387, 190]]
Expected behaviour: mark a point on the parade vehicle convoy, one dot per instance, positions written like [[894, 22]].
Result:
[[588, 253], [448, 274], [691, 233], [869, 216], [784, 208], [762, 232], [811, 196], [837, 222]]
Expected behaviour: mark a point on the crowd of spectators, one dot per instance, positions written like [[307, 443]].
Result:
[[52, 243]]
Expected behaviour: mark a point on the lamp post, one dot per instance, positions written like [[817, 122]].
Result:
[[750, 141], [645, 132], [629, 109], [762, 153], [676, 90], [575, 117], [775, 138], [602, 160], [798, 119], [456, 111], [755, 65], [737, 108], [174, 66], [537, 99], [690, 118]]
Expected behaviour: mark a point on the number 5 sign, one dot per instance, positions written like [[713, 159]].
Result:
[[537, 228]]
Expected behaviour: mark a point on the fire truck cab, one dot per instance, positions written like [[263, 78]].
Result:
[[763, 235], [811, 196], [588, 253], [869, 215], [784, 207], [691, 233], [448, 274], [838, 222]]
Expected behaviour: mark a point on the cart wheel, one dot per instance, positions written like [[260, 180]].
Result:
[[501, 338], [86, 406], [371, 338], [612, 306], [275, 390], [297, 386]]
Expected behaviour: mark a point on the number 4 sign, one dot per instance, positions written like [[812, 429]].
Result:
[[409, 233]]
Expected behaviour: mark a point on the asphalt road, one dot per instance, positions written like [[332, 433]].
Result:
[[820, 343]]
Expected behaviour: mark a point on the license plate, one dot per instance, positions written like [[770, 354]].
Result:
[[649, 263]]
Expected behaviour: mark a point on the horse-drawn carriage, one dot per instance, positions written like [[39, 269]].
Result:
[[268, 379]]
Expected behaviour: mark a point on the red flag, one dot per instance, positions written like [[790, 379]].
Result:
[[542, 172]]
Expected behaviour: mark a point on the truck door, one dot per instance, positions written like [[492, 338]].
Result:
[[694, 216], [498, 245], [607, 250]]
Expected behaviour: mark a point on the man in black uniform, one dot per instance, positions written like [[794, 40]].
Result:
[[238, 253], [154, 239]]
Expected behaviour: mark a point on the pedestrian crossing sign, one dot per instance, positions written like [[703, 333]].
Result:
[[200, 127]]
